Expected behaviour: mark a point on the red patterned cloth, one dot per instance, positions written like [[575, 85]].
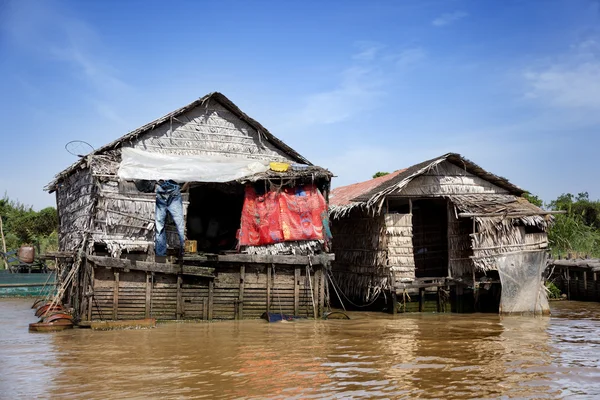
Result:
[[294, 214]]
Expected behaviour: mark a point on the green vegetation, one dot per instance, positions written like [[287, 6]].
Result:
[[380, 173], [23, 225], [553, 291], [578, 231]]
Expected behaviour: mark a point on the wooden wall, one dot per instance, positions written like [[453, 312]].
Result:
[[236, 292]]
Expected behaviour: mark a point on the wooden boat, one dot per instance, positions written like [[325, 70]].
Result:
[[57, 325], [58, 317], [46, 309]]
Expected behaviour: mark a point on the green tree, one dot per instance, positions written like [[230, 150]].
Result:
[[533, 199], [379, 173]]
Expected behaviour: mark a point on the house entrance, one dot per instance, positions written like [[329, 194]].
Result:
[[430, 237], [213, 216]]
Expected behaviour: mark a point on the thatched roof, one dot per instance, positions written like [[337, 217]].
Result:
[[372, 192], [219, 97]]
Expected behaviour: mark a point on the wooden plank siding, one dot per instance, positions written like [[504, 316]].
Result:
[[237, 291]]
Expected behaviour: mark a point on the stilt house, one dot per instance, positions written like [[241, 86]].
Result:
[[446, 225], [245, 209]]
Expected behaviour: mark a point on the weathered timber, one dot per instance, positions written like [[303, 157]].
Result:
[[296, 291], [241, 296], [261, 259], [148, 293], [179, 297], [211, 293], [165, 268], [268, 289], [116, 296]]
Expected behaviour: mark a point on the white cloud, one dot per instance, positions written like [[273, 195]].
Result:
[[368, 51], [410, 57], [571, 81], [449, 18], [50, 33], [361, 85]]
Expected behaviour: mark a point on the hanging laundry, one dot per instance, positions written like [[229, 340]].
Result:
[[298, 213], [168, 199]]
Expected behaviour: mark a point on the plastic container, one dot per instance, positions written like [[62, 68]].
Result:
[[26, 254]]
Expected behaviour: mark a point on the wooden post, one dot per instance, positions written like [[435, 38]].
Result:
[[585, 283], [322, 293], [393, 294], [241, 297], [568, 284], [116, 297], [268, 288], [296, 291], [148, 293], [449, 244], [91, 292], [205, 309], [439, 300], [421, 299], [3, 243], [179, 314], [211, 290]]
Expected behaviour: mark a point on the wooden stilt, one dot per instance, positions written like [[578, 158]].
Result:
[[268, 288], [179, 297], [321, 292], [148, 293], [116, 297], [241, 296], [296, 291], [211, 289], [421, 299], [91, 292], [394, 301]]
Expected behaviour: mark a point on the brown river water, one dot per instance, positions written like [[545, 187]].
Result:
[[372, 355]]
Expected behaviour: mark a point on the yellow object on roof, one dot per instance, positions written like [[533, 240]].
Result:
[[279, 166]]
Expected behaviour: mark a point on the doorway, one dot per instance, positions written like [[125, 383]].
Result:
[[430, 237]]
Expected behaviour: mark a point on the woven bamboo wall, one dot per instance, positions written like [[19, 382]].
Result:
[[75, 199], [459, 243], [209, 129], [398, 242], [124, 219], [447, 179], [497, 235], [360, 267]]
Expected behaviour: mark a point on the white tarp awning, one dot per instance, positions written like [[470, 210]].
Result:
[[139, 164]]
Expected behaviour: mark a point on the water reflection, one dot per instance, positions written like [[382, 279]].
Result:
[[371, 356]]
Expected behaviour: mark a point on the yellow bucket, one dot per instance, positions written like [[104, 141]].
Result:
[[279, 166]]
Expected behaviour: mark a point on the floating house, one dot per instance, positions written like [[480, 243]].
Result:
[[444, 230], [254, 215]]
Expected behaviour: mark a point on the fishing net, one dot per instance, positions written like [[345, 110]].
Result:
[[523, 290]]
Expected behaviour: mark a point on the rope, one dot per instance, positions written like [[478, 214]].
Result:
[[346, 297]]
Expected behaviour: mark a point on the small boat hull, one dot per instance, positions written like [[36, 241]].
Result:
[[58, 325]]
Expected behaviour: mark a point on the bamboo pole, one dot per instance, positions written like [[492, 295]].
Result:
[[3, 243]]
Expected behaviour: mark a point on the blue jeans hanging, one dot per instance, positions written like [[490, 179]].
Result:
[[168, 198]]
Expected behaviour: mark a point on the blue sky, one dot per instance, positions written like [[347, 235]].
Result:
[[354, 86]]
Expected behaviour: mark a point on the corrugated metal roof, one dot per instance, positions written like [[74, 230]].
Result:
[[343, 195]]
